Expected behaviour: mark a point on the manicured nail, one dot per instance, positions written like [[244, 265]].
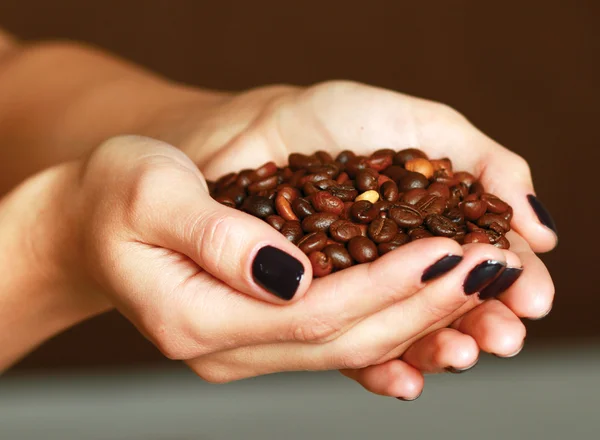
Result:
[[410, 400], [461, 370], [506, 279], [511, 355], [541, 317], [277, 272], [441, 267], [542, 213], [482, 275]]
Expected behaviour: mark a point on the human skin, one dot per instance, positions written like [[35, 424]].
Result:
[[223, 132]]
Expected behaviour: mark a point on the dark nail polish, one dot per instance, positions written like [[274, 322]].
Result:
[[482, 275], [506, 279], [441, 267], [409, 400], [511, 355], [460, 371], [541, 317], [542, 213], [277, 272]]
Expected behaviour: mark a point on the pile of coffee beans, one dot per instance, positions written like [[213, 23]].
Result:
[[353, 209]]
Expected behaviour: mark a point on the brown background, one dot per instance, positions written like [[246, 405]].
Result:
[[525, 72]]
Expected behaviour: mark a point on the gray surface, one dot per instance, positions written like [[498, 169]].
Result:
[[550, 394]]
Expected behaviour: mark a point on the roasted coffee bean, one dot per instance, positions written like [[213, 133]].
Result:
[[367, 179], [236, 193], [299, 161], [284, 207], [456, 216], [380, 160], [263, 185], [314, 241], [465, 178], [399, 240], [473, 209], [493, 236], [413, 196], [313, 178], [339, 256], [302, 208], [382, 205], [344, 230], [419, 233], [477, 237], [320, 221], [477, 188], [226, 200], [268, 193], [275, 221], [442, 167], [363, 212], [382, 230], [292, 230], [244, 178], [449, 181], [325, 184], [455, 197], [439, 189], [471, 227], [494, 204], [421, 166], [395, 172], [412, 180], [342, 178], [362, 249], [403, 156], [330, 170], [345, 156], [324, 157], [487, 220], [321, 264], [406, 216], [212, 186], [389, 191], [440, 225], [345, 193], [225, 181], [502, 243], [324, 201], [258, 206], [309, 189], [267, 170], [355, 165], [295, 179], [431, 204], [508, 214]]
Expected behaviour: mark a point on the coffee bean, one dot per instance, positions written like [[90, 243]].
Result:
[[302, 208], [244, 178], [389, 191], [443, 167], [345, 193], [299, 161], [502, 243], [355, 165], [236, 193], [320, 221], [367, 179], [226, 200], [477, 237], [456, 216], [399, 240], [324, 201], [419, 233], [465, 178], [324, 185], [321, 264], [258, 206], [380, 160], [439, 189], [431, 204], [395, 172], [339, 256], [487, 220], [345, 156], [406, 216], [413, 196], [404, 156], [267, 170], [292, 230], [275, 221], [225, 181], [477, 188], [382, 230], [342, 178], [363, 212], [324, 157], [421, 166], [494, 204], [315, 241], [362, 249], [440, 225], [473, 209], [412, 180]]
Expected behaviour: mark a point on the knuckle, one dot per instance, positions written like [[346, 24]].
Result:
[[520, 165], [212, 233], [355, 360], [314, 330]]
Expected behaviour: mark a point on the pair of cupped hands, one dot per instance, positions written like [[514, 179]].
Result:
[[139, 231]]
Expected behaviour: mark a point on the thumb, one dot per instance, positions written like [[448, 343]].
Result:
[[238, 249]]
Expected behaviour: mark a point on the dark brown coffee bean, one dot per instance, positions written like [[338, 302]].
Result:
[[488, 220], [431, 204], [315, 241], [383, 205], [399, 240], [320, 221], [440, 226], [345, 193], [477, 188], [236, 193], [313, 178], [267, 170], [309, 189], [367, 179], [442, 167], [406, 216], [494, 204], [331, 170], [295, 179], [493, 236], [225, 181], [456, 216], [258, 206], [275, 221], [325, 184], [419, 233], [473, 209], [268, 193], [395, 172], [345, 156], [455, 197], [302, 208], [440, 177], [244, 178], [508, 214], [263, 185], [439, 189], [472, 227], [225, 200], [362, 249], [292, 230], [502, 243], [343, 231], [324, 157], [413, 196], [321, 264], [299, 161], [339, 256], [476, 237], [404, 156], [412, 180], [380, 160], [342, 178], [465, 178], [355, 165], [212, 186], [382, 230], [363, 212], [324, 201], [389, 191]]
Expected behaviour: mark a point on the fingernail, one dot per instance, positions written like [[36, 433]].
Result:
[[277, 272], [481, 275], [511, 355], [541, 317], [441, 267], [542, 213], [410, 400], [506, 279], [461, 370]]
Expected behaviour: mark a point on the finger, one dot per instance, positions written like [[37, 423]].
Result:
[[395, 378], [443, 350], [530, 295], [494, 327]]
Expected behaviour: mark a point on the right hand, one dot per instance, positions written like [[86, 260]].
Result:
[[179, 266]]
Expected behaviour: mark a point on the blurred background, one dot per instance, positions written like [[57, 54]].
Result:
[[526, 73]]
